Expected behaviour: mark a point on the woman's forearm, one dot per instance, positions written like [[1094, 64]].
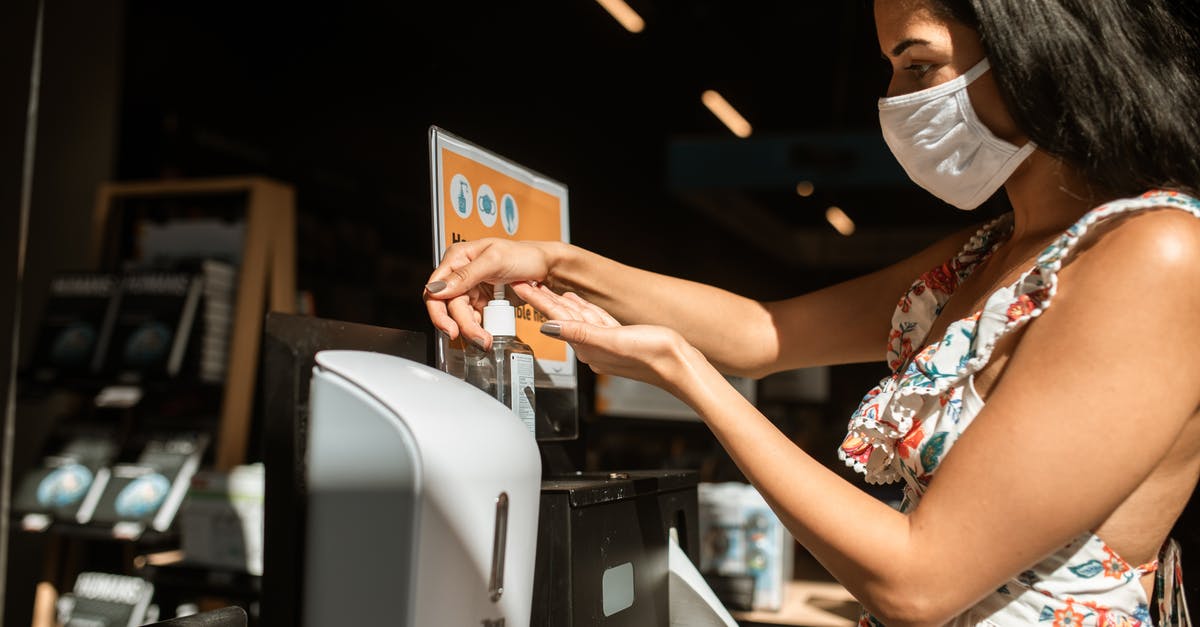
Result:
[[735, 333], [864, 543], [843, 323]]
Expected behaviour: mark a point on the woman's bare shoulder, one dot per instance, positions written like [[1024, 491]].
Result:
[[1154, 241]]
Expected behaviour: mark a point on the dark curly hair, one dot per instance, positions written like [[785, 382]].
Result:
[[1108, 86]]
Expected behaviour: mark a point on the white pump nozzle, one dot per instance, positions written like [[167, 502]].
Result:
[[499, 316]]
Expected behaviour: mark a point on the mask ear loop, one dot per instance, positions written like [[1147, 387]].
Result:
[[1018, 154], [937, 91], [1001, 176]]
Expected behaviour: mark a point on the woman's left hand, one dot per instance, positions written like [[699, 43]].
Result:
[[653, 354]]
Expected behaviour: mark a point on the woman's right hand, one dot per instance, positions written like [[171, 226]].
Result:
[[462, 283]]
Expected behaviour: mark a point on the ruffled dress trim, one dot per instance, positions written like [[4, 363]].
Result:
[[886, 414]]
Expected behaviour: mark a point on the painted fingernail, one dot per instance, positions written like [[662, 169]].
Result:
[[436, 287], [478, 341], [553, 329]]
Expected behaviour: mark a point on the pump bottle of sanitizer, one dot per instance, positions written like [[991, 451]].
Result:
[[506, 371]]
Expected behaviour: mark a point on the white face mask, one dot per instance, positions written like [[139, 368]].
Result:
[[944, 147]]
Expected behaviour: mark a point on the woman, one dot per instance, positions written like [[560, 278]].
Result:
[[1045, 368]]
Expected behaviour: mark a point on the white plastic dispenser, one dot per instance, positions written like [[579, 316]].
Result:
[[423, 498]]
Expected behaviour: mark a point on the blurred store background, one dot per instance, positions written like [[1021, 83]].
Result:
[[794, 192]]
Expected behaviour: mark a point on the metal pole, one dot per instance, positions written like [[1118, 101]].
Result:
[[10, 411]]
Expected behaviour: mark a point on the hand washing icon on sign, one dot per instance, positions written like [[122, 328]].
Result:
[[461, 199], [487, 205]]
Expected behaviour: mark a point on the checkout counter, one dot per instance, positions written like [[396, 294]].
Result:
[[807, 604]]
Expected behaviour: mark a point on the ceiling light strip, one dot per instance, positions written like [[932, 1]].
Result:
[[840, 221], [624, 14], [726, 113]]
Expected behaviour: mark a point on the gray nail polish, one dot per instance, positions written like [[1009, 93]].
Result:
[[553, 329], [436, 287], [478, 341]]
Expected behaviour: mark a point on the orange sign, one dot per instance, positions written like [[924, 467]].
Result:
[[482, 196]]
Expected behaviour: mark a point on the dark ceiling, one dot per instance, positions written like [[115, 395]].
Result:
[[338, 100]]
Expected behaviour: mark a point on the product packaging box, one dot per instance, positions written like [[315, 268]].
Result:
[[222, 519], [75, 322], [66, 485], [216, 318], [107, 600], [148, 493], [740, 536], [152, 331]]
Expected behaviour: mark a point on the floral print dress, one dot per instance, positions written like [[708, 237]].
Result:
[[906, 425]]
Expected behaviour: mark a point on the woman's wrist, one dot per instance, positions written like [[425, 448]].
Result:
[[685, 371], [561, 261]]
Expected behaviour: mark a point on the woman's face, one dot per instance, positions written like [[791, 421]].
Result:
[[926, 49]]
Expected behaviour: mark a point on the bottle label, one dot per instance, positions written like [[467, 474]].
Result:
[[522, 387]]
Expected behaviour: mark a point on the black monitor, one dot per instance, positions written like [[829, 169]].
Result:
[[290, 343]]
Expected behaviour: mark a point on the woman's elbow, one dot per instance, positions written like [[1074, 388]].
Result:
[[909, 608], [743, 367], [747, 371]]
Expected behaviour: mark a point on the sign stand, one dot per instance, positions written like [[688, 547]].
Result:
[[478, 194]]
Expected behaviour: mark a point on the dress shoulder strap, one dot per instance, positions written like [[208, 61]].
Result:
[[923, 302], [1012, 306]]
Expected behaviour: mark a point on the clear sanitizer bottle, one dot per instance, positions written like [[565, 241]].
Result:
[[505, 371]]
